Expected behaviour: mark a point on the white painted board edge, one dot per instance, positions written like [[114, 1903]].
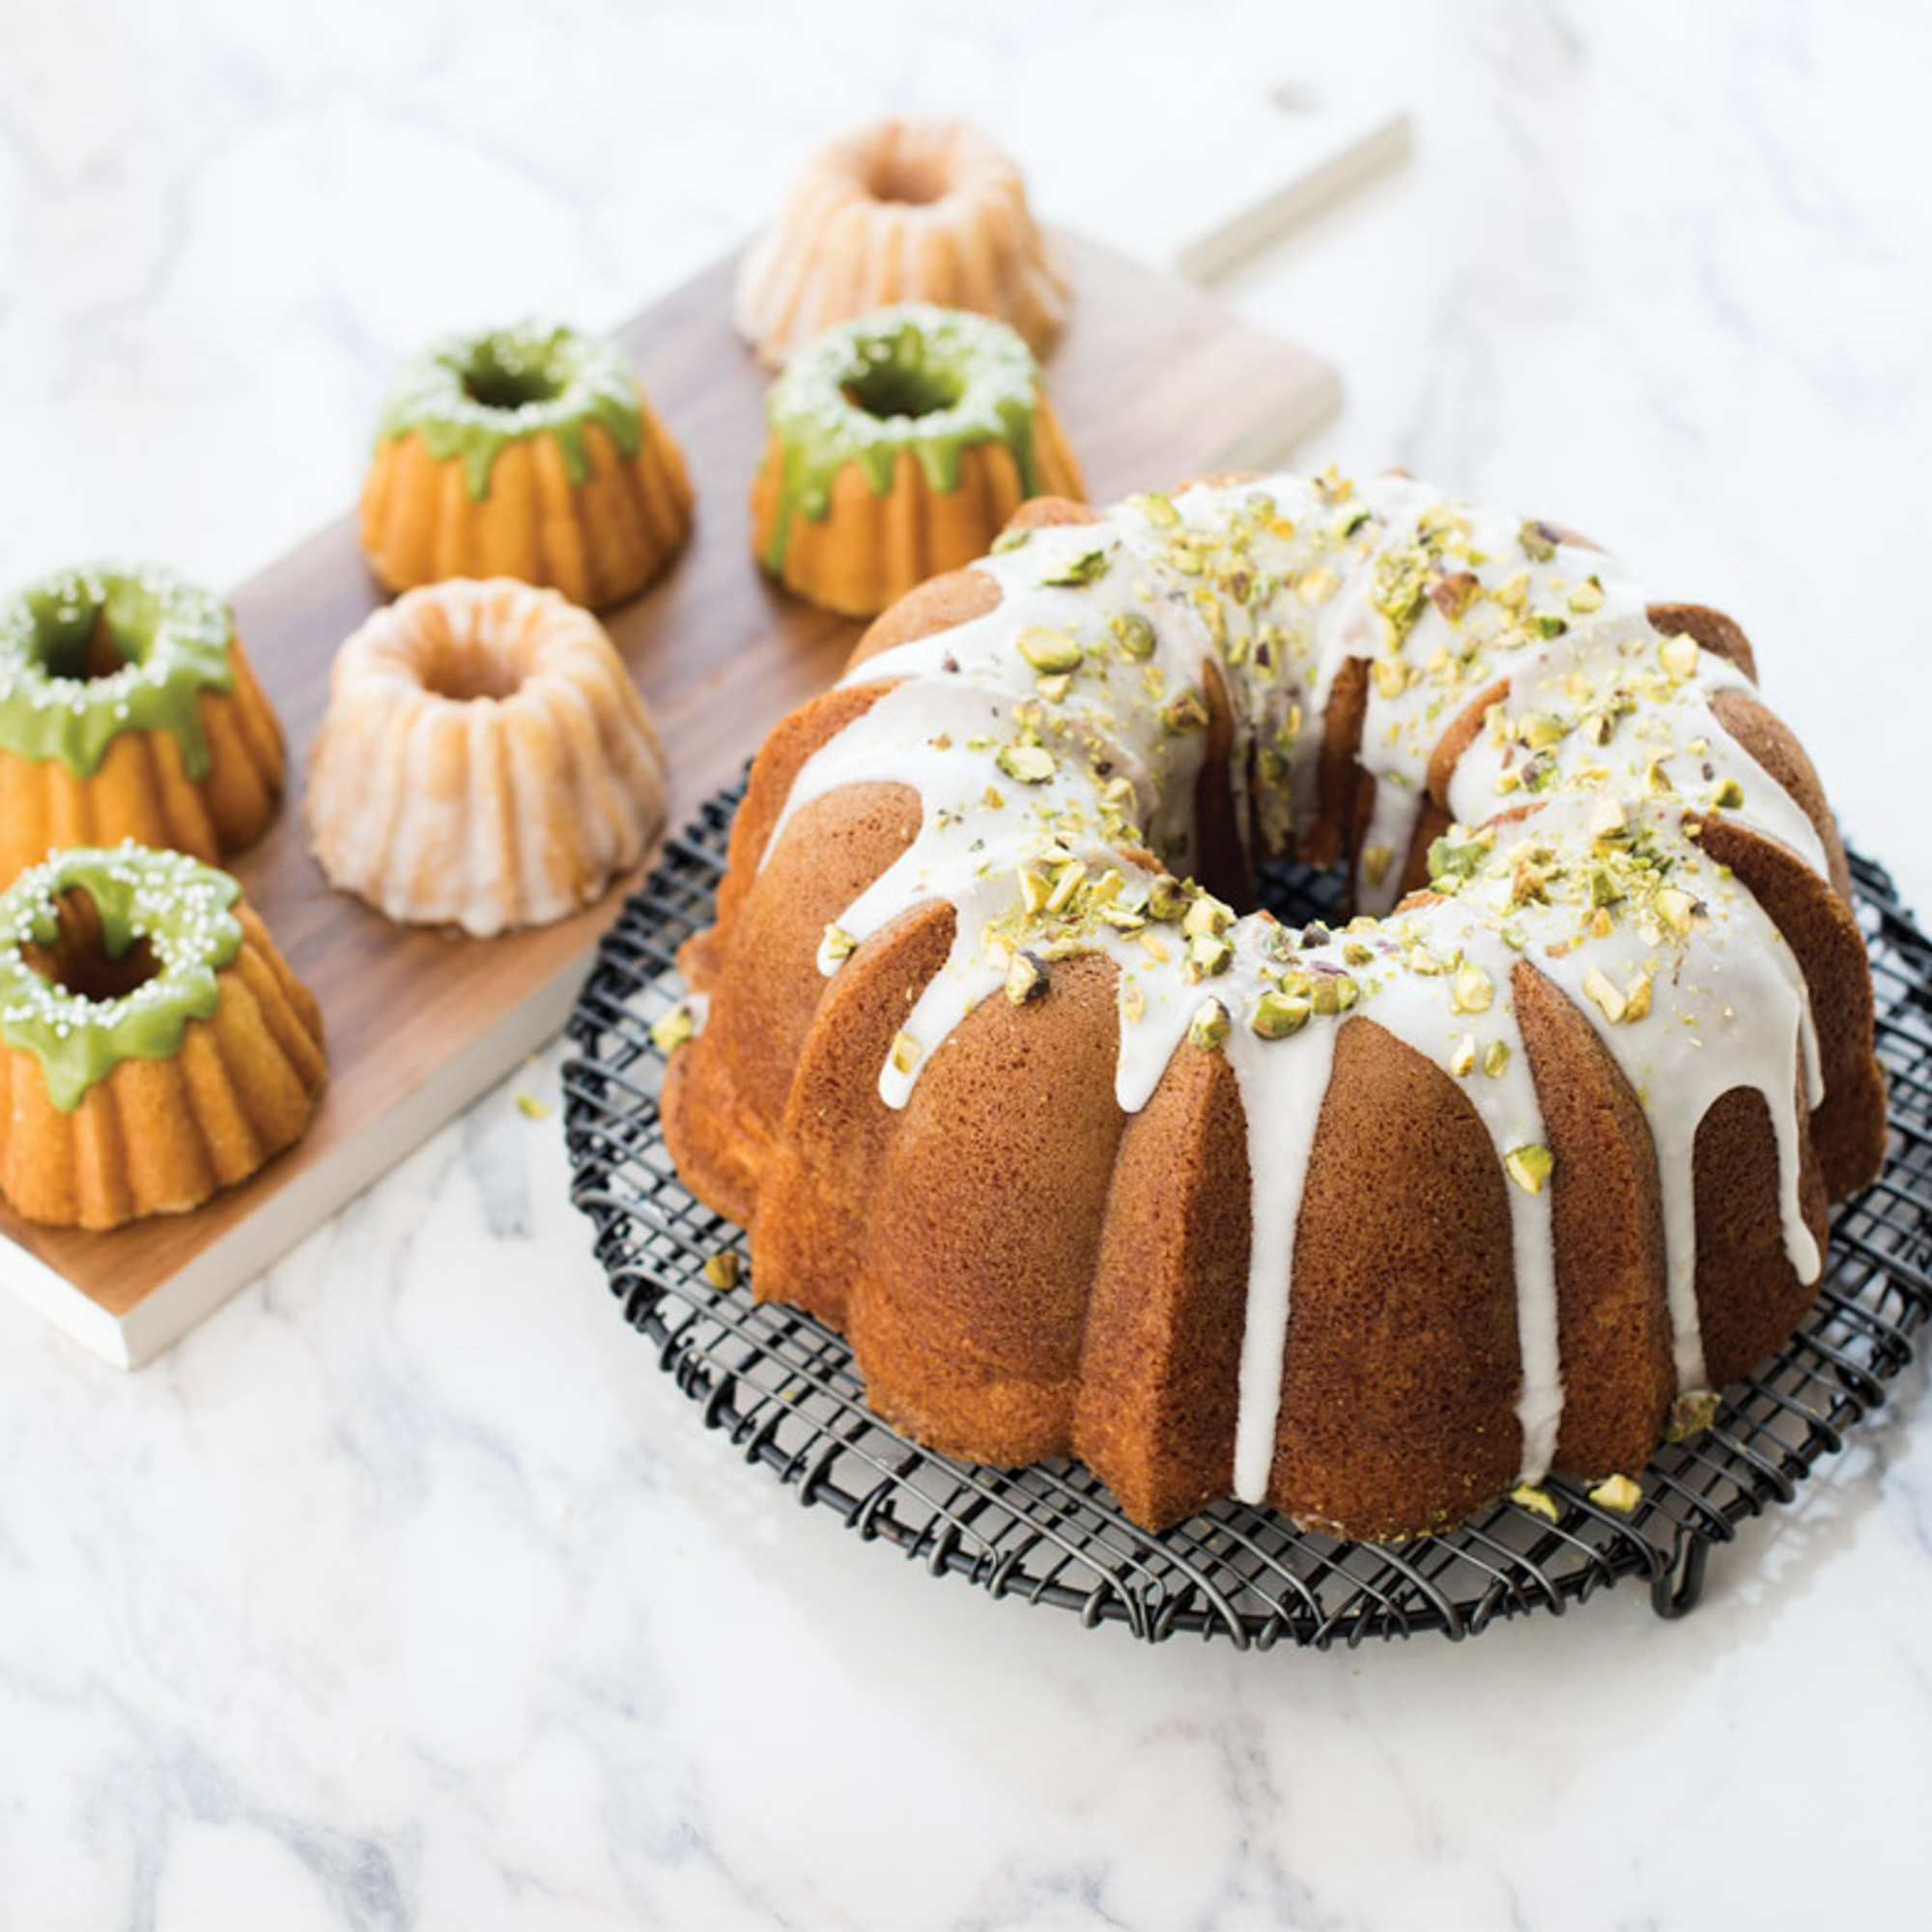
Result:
[[1260, 160]]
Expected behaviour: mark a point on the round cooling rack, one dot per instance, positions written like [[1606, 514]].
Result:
[[785, 1389]]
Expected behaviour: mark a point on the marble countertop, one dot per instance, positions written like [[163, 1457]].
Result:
[[405, 1592]]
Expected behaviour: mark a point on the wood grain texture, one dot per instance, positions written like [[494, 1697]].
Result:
[[1153, 381]]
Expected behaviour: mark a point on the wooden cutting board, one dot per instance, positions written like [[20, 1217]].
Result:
[[1153, 381]]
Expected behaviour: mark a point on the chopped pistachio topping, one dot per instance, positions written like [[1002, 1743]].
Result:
[[1496, 1058], [839, 944], [1025, 978], [1083, 568], [1529, 1166], [1472, 989], [1210, 1023], [1276, 1016], [1133, 635], [1679, 655], [1026, 764], [905, 1053], [1184, 712], [1047, 649], [723, 1269]]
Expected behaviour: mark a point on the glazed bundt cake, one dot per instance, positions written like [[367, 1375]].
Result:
[[485, 761], [1369, 1224], [897, 447], [127, 710], [154, 1047], [526, 452], [901, 211]]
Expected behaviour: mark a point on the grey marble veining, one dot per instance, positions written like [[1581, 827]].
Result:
[[405, 1593]]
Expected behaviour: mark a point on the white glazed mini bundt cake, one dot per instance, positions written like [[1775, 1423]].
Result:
[[901, 211], [1369, 1224], [486, 761]]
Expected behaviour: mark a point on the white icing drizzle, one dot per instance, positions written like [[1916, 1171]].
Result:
[[1282, 1084], [1055, 746]]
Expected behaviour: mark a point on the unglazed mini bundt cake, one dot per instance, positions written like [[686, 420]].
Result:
[[127, 710], [1370, 1225], [526, 452], [154, 1047], [484, 762], [901, 211], [897, 447]]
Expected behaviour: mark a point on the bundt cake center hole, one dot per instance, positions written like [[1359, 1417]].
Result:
[[895, 388], [465, 672], [499, 384], [81, 652], [917, 181], [78, 962]]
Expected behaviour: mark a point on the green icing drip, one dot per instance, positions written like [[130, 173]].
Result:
[[931, 381], [181, 907], [174, 639], [474, 395]]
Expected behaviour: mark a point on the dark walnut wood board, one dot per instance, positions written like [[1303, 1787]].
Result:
[[1153, 381]]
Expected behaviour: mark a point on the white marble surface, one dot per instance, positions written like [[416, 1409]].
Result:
[[405, 1592]]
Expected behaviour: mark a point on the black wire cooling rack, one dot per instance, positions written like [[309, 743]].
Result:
[[785, 1389]]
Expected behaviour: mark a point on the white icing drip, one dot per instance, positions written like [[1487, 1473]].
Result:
[[1278, 586], [1282, 1084]]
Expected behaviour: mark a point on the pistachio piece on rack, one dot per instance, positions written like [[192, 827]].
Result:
[[1536, 1499], [723, 1270], [1618, 1493], [1690, 1414], [672, 1028]]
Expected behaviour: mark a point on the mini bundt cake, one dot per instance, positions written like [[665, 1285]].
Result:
[[526, 452], [485, 761], [901, 211], [127, 710], [1368, 1224], [897, 447], [154, 1047]]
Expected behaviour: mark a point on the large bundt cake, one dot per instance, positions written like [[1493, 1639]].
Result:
[[154, 1045], [1368, 1224], [485, 761], [127, 710], [899, 445], [526, 452], [901, 211]]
